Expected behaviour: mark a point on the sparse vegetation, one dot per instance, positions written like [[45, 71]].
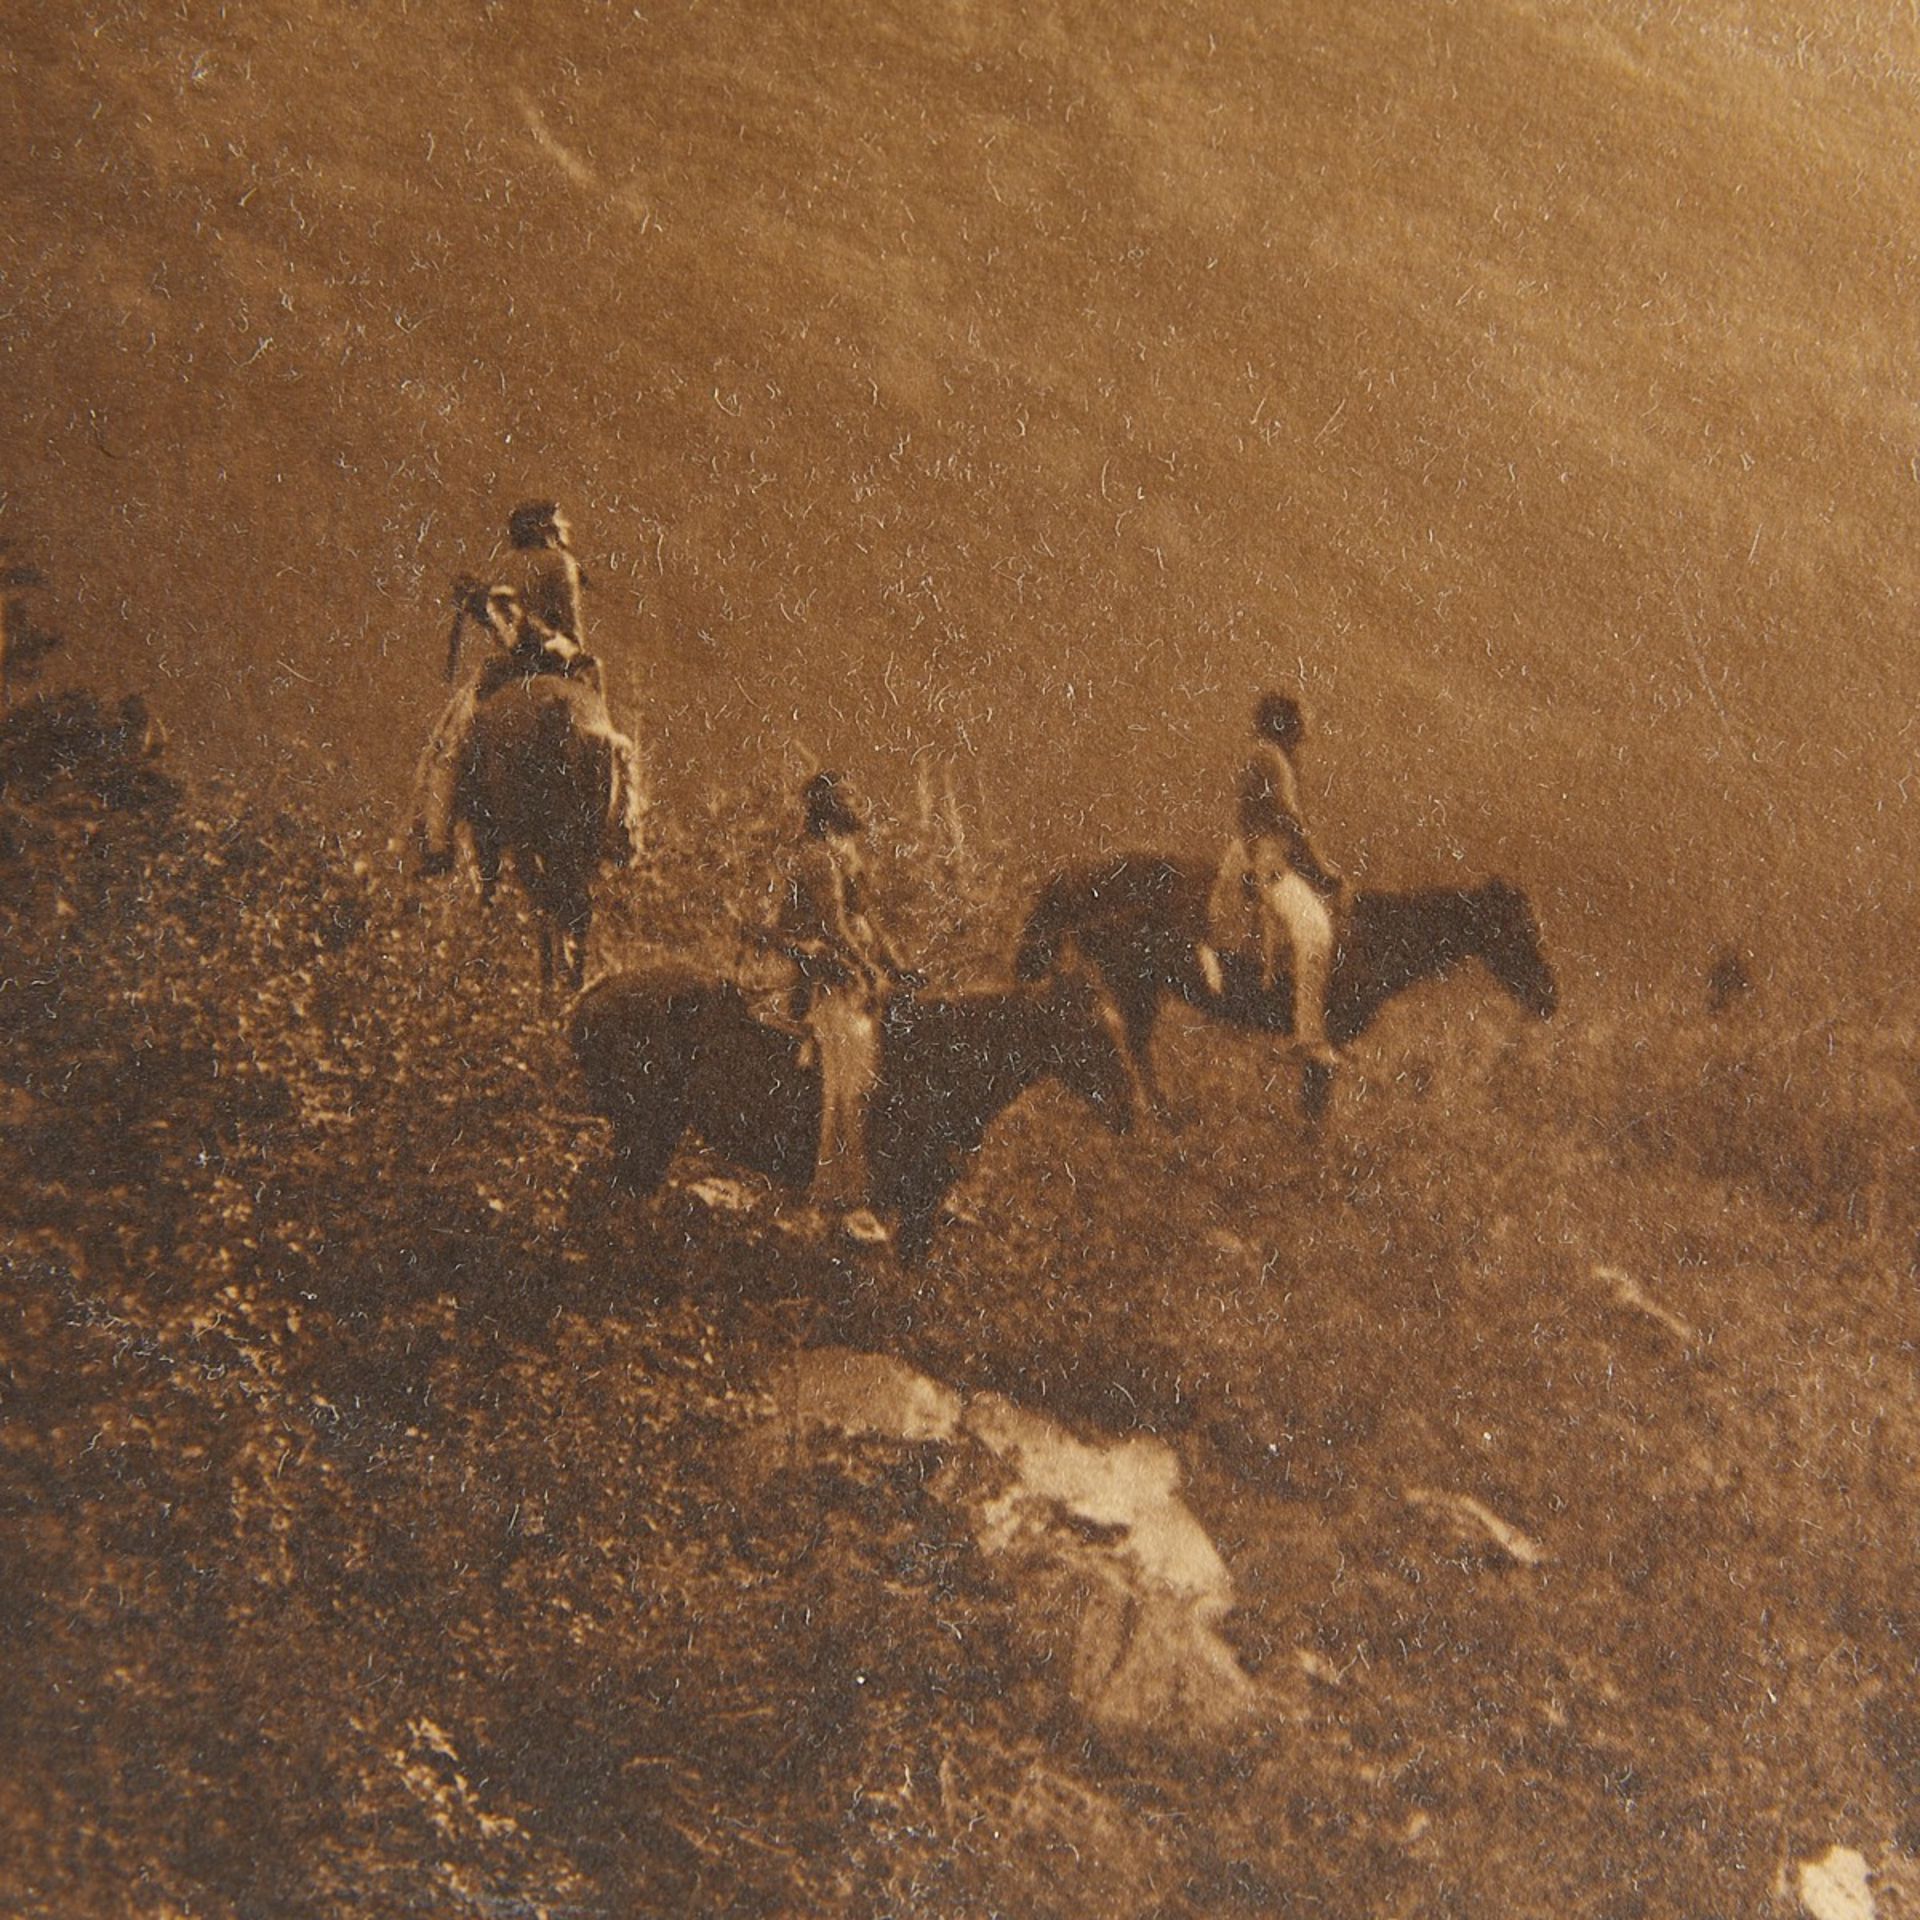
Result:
[[24, 643], [992, 401], [390, 1531]]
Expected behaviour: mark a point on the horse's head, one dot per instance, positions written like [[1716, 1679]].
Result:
[[1087, 1046], [1508, 940]]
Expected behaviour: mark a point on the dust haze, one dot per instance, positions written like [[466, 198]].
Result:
[[443, 1472], [1533, 382]]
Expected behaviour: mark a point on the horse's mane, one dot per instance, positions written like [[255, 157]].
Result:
[[678, 976], [666, 981], [1168, 885], [1424, 912], [1135, 877]]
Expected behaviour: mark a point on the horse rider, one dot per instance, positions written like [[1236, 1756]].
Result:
[[1293, 888], [535, 628], [529, 647], [846, 964], [546, 571]]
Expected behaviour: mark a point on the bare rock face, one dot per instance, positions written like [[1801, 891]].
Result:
[[1121, 1590], [1101, 1538], [1836, 1886]]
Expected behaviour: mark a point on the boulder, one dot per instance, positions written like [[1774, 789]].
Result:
[[1118, 1587]]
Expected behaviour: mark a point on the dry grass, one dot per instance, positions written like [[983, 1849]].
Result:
[[386, 1542]]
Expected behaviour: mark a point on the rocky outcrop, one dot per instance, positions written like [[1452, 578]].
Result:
[[1119, 1588]]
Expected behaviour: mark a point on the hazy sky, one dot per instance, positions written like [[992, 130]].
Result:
[[1031, 386]]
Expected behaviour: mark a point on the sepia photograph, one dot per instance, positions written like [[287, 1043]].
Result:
[[956, 959]]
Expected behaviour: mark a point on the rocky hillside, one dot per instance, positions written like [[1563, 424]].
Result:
[[403, 1520]]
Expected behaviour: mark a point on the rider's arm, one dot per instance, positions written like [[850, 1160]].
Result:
[[1283, 793], [883, 945], [868, 938]]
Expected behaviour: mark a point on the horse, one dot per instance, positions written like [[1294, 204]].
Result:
[[668, 1051], [1138, 921], [544, 777]]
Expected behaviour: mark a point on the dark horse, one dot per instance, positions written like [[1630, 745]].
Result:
[[667, 1052], [1138, 918], [544, 777]]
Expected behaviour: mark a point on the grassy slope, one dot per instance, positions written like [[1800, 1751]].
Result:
[[1536, 377], [385, 1542]]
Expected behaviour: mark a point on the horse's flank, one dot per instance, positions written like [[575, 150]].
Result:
[[1140, 919], [666, 1053], [546, 778]]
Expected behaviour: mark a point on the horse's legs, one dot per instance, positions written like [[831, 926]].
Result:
[[1316, 1093], [574, 936], [486, 857], [562, 914], [487, 852], [644, 1149], [1174, 1119], [1138, 1005], [563, 951]]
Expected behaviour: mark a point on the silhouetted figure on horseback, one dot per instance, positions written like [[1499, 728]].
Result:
[[667, 1051], [526, 755], [545, 573], [533, 626], [534, 616], [1274, 888], [1139, 921], [846, 965]]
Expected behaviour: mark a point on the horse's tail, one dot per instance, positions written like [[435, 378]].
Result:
[[612, 768]]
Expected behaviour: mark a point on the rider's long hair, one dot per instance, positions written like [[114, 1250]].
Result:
[[534, 524], [1282, 719], [827, 808]]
